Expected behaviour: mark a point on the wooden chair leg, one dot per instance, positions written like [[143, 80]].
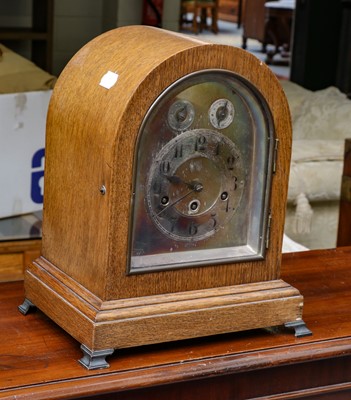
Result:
[[203, 19], [195, 24], [214, 20]]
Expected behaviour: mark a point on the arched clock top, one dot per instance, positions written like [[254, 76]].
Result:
[[96, 113]]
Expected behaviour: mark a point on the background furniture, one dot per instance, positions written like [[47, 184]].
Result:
[[253, 20], [278, 25], [230, 10], [38, 359], [15, 255], [344, 226], [40, 34], [200, 9], [20, 243], [343, 76], [317, 54]]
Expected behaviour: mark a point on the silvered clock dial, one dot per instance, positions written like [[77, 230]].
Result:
[[195, 185], [202, 175]]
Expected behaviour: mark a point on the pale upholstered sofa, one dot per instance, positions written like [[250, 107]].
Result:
[[321, 122]]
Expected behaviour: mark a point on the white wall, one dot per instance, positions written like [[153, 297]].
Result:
[[76, 22], [170, 18]]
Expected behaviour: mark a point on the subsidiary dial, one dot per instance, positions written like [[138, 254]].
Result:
[[181, 115], [221, 113]]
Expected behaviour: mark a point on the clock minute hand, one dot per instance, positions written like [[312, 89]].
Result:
[[196, 187], [177, 201]]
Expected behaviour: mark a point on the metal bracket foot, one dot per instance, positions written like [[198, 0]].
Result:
[[94, 359], [300, 328], [26, 306]]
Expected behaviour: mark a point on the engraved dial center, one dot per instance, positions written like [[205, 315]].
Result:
[[195, 185], [202, 177]]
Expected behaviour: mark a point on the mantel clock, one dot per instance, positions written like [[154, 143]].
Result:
[[167, 163]]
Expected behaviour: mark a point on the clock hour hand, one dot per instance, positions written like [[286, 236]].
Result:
[[194, 186], [222, 112]]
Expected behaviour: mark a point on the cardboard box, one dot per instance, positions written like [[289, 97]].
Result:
[[22, 143]]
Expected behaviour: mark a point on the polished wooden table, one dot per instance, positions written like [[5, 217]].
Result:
[[39, 361]]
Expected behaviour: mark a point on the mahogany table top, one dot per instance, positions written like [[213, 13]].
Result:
[[38, 360]]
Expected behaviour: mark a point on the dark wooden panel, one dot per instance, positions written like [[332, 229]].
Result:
[[344, 226], [316, 43], [343, 78]]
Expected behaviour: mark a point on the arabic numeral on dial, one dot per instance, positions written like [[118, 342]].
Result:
[[165, 167], [213, 222], [173, 223], [217, 149], [235, 180], [192, 229], [230, 162], [156, 187], [200, 143], [178, 151]]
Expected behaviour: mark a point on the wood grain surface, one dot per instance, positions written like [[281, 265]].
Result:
[[15, 255], [80, 280], [38, 360], [91, 136]]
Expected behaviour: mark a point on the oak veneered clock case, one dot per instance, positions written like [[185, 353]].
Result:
[[167, 163]]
